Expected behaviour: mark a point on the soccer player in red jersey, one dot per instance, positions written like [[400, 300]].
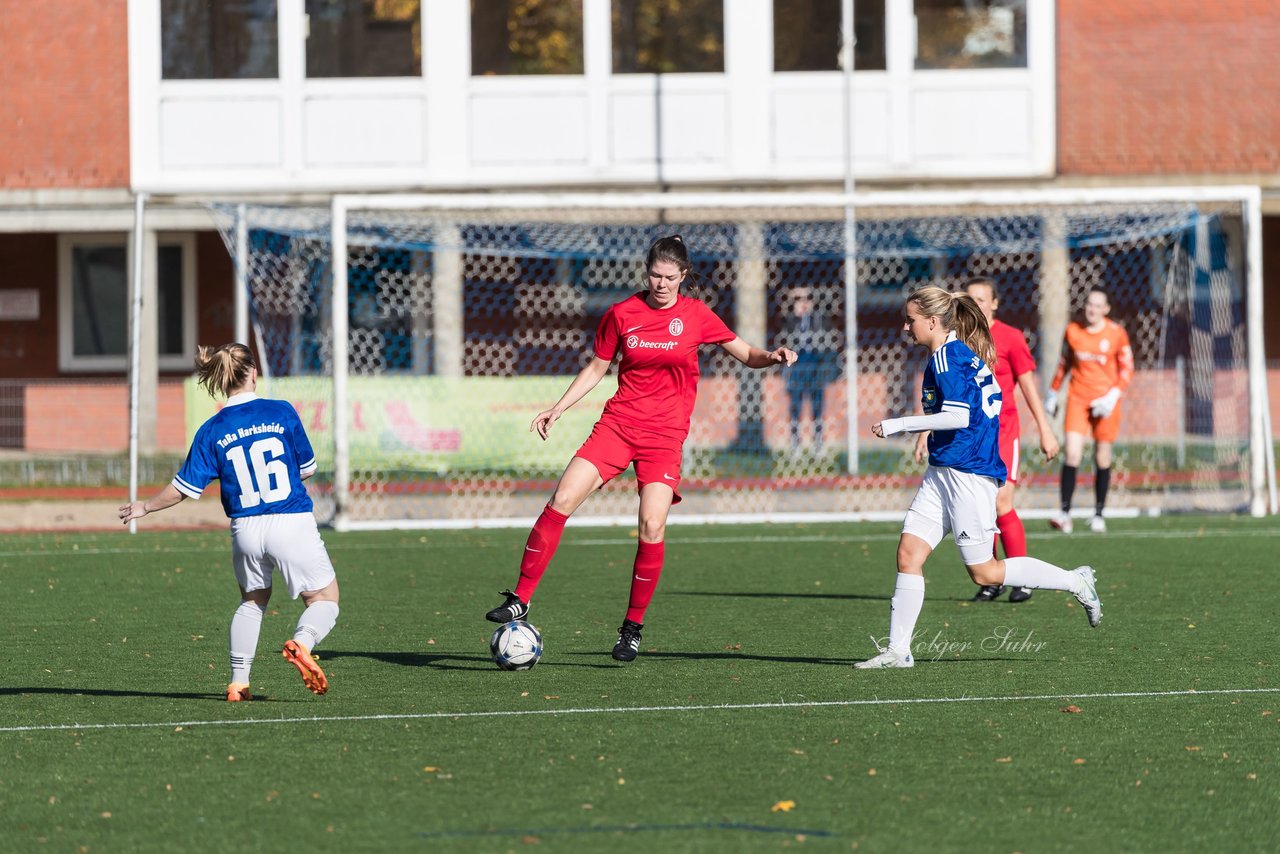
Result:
[[1015, 367], [656, 335]]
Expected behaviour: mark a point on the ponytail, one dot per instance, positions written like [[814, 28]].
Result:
[[221, 370], [958, 313]]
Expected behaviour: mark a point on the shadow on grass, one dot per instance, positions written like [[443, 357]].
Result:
[[117, 692], [442, 661], [835, 596]]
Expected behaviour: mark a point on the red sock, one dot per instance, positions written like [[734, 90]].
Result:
[[538, 550], [1012, 534], [644, 580]]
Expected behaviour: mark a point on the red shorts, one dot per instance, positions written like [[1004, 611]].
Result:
[[612, 447], [1011, 449]]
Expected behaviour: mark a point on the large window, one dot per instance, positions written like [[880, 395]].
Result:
[[364, 38], [218, 39], [668, 36], [971, 34], [93, 301], [806, 35], [526, 37]]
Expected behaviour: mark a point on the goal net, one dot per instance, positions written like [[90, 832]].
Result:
[[419, 359]]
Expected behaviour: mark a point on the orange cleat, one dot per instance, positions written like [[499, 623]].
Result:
[[312, 675], [238, 692]]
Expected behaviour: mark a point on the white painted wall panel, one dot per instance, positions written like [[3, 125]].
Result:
[[220, 133], [694, 128], [955, 124], [528, 129], [806, 127], [361, 132]]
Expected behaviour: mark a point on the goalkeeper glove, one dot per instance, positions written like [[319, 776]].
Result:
[[1103, 406], [1051, 402]]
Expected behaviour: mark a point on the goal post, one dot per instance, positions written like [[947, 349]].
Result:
[[464, 315]]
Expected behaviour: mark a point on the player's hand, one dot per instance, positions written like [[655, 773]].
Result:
[[1051, 402], [783, 356], [1103, 406], [129, 512], [922, 448], [542, 422], [1049, 445]]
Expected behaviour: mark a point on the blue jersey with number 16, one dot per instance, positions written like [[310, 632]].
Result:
[[957, 380], [257, 448]]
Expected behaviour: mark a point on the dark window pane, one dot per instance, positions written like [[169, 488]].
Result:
[[806, 35], [364, 38], [218, 39], [668, 36], [169, 300], [99, 300], [971, 34], [526, 37]]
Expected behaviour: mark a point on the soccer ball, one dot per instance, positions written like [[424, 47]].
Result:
[[516, 645]]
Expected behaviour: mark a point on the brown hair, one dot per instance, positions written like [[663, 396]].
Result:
[[983, 280], [960, 313], [224, 369], [672, 249]]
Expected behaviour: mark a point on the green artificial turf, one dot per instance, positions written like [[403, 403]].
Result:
[[740, 727]]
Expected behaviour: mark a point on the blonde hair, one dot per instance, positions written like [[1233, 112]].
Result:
[[960, 313], [223, 369]]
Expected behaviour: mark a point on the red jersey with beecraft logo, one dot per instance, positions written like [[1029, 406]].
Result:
[[658, 370], [1013, 359]]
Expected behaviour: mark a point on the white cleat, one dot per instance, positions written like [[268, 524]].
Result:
[[1061, 522], [1098, 525], [887, 659], [1088, 596]]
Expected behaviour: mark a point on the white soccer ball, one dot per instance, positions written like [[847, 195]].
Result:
[[516, 645]]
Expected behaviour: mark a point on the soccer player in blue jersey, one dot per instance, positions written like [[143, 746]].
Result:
[[961, 401], [258, 450]]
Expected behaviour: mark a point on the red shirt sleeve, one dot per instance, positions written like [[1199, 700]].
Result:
[[606, 343], [714, 330]]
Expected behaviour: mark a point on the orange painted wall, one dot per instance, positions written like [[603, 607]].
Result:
[[64, 94], [1168, 87]]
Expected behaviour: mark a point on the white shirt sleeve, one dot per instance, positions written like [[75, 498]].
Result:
[[947, 419]]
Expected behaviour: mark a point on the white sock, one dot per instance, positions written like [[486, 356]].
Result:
[[1033, 572], [316, 622], [904, 610], [246, 623]]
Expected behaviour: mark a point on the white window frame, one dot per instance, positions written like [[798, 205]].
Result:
[[67, 360]]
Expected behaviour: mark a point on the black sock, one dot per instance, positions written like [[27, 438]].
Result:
[[1067, 489], [1101, 483]]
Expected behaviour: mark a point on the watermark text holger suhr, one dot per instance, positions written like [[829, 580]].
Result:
[[1005, 639]]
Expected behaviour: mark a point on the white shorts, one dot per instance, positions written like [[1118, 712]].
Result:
[[957, 502], [288, 541]]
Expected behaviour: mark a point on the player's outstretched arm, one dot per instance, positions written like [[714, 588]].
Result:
[[587, 379], [754, 357], [162, 500]]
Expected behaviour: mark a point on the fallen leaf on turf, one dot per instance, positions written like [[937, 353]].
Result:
[[783, 806], [797, 752], [1251, 776], [551, 696], [1191, 747], [1004, 759], [1073, 710], [871, 772], [1077, 761], [734, 646], [430, 769], [104, 815]]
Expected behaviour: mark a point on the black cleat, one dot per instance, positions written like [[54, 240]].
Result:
[[1019, 594], [512, 609], [628, 645], [988, 593]]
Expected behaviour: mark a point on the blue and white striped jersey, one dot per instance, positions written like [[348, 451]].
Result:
[[956, 380], [257, 448]]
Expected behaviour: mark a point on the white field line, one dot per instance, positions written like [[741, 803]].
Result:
[[618, 710], [65, 552]]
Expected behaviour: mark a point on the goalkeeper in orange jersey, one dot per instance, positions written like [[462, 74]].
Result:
[[1099, 359]]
